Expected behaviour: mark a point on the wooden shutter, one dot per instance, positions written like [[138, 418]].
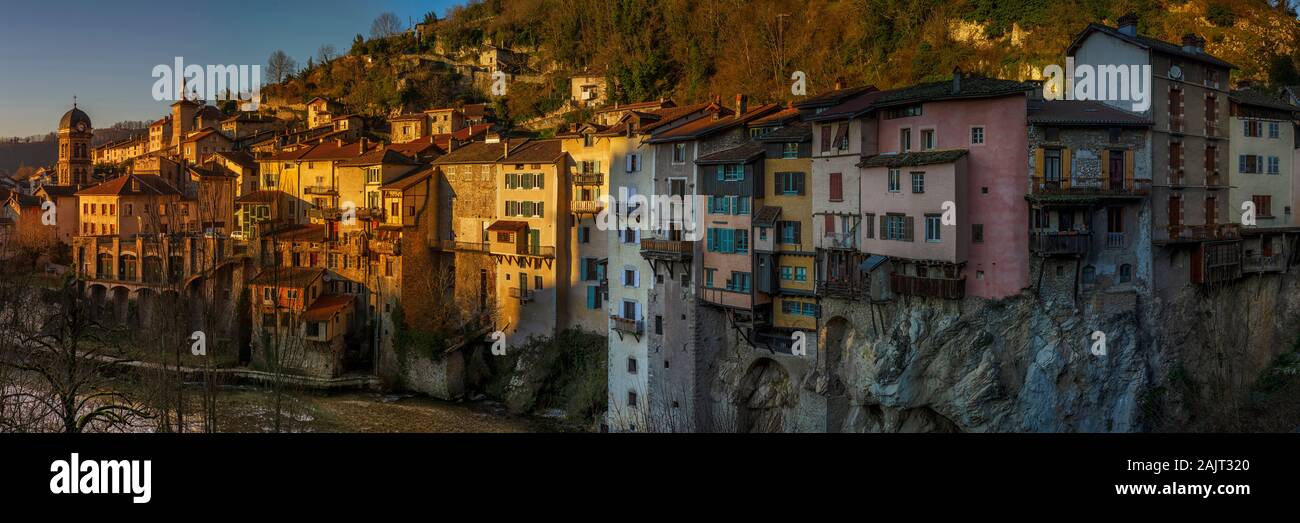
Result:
[[826, 137], [1105, 168], [1038, 167], [830, 224], [1128, 170], [837, 187], [883, 232], [871, 226], [1066, 171], [909, 223], [841, 134], [799, 183], [798, 232]]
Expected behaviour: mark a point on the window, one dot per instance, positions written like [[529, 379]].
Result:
[[631, 399], [976, 135], [1274, 130], [633, 163], [927, 139], [1125, 273], [1250, 163], [977, 233], [1252, 128], [904, 140], [588, 140], [918, 183], [1273, 167], [1052, 165], [789, 183], [679, 153], [894, 181], [836, 187], [789, 232], [842, 137], [537, 282], [932, 224], [742, 240], [790, 150], [1263, 205], [731, 173], [631, 365], [659, 324], [895, 226], [708, 276], [739, 282], [630, 278]]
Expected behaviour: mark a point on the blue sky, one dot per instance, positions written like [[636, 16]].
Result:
[[104, 51]]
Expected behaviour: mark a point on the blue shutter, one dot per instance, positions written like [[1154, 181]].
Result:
[[591, 297], [719, 173]]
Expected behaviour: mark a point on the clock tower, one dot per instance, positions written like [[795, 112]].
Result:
[[75, 164]]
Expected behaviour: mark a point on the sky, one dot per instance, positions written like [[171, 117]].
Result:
[[104, 52]]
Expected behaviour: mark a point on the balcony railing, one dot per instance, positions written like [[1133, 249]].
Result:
[[850, 289], [319, 189], [1222, 231], [587, 206], [588, 179], [1115, 240], [1261, 263], [1091, 186], [946, 288], [1060, 243], [393, 247], [666, 249], [627, 325], [840, 240], [521, 294], [543, 251]]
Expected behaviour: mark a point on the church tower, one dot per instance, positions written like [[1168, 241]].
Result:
[[75, 164]]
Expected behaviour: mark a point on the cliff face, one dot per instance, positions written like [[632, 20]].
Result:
[[1025, 363]]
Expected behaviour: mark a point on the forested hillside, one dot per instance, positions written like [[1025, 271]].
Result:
[[692, 49]]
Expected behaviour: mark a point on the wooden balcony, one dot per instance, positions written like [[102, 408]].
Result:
[[389, 247], [1216, 262], [674, 250], [587, 179], [1060, 243], [840, 240], [586, 206], [845, 289], [1196, 233], [523, 295], [1094, 186], [945, 288], [319, 189], [522, 249], [1259, 263], [627, 325]]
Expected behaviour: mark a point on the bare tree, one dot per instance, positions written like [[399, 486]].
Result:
[[63, 347], [385, 25], [325, 53], [280, 66]]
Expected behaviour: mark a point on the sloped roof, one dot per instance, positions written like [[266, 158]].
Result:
[[1081, 112], [122, 186], [850, 107], [326, 306], [241, 158], [1263, 99], [740, 153], [406, 182], [1144, 42], [767, 216], [263, 196], [913, 159], [535, 151], [417, 146], [477, 152], [297, 277], [790, 132], [508, 226], [833, 97], [386, 156], [706, 126], [971, 86]]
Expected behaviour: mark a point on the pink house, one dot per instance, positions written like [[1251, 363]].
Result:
[[986, 119]]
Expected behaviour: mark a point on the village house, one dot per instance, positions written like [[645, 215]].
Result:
[[1262, 146], [1190, 141]]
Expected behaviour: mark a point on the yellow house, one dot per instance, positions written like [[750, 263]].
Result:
[[132, 204], [590, 162], [309, 175], [529, 242], [785, 257], [360, 179]]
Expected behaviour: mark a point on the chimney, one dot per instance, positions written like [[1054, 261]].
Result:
[[363, 145], [1128, 24], [839, 83], [956, 80], [505, 146], [1193, 43], [742, 103]]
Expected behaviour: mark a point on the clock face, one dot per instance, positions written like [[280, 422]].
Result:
[[81, 126]]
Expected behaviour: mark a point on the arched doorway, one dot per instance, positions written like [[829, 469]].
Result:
[[121, 305], [146, 307], [762, 397]]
